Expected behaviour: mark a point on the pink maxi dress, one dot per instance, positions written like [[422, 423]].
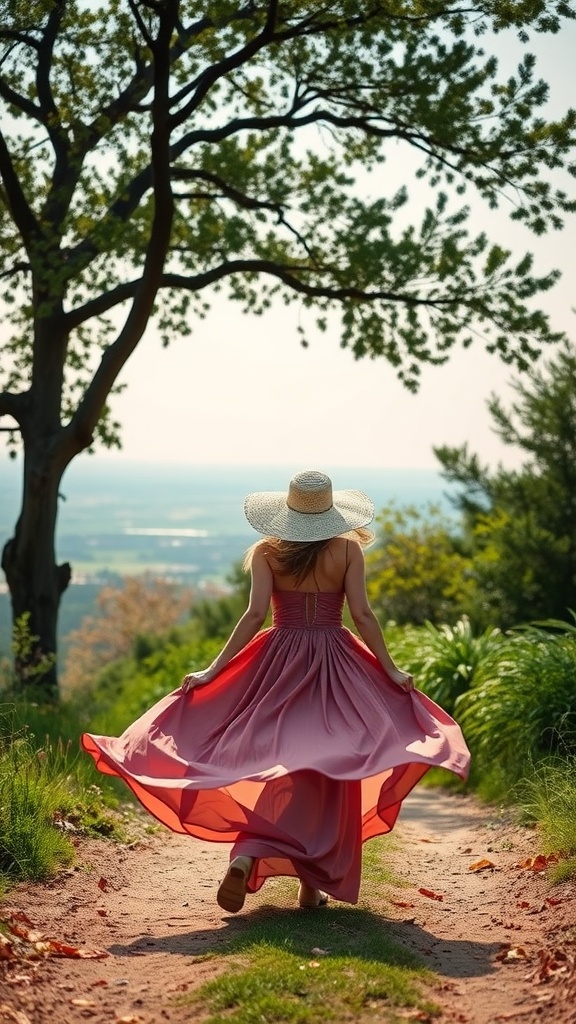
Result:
[[299, 751]]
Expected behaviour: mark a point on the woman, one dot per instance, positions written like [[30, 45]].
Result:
[[299, 742]]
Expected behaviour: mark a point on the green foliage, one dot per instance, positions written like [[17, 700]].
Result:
[[417, 572], [252, 205], [446, 659], [548, 797], [124, 690], [522, 706], [521, 525], [30, 795], [30, 663]]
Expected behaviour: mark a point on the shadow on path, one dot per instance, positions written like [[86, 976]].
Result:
[[342, 931]]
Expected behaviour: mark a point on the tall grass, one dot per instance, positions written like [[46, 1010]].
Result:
[[522, 706], [31, 793], [50, 793], [548, 796]]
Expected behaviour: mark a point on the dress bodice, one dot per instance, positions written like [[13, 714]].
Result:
[[294, 609]]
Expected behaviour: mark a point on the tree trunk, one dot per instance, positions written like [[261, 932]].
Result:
[[35, 581]]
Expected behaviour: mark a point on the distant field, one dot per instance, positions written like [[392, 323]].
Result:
[[120, 518]]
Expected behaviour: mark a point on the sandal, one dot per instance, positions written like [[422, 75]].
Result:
[[232, 891], [311, 899]]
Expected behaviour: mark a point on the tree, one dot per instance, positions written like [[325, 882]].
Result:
[[521, 524], [143, 606], [153, 151], [417, 573]]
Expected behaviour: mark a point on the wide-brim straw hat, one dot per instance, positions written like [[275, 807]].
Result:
[[309, 511]]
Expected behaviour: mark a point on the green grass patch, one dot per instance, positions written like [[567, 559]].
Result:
[[377, 877], [294, 967], [548, 796], [46, 798]]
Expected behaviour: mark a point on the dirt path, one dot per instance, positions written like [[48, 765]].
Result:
[[501, 941]]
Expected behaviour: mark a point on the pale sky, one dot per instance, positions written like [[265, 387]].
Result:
[[241, 390]]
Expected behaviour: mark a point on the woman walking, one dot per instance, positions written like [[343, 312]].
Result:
[[299, 742]]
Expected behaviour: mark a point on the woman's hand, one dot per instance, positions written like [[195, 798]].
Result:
[[194, 679], [402, 679]]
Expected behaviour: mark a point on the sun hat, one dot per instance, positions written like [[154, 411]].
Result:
[[310, 510]]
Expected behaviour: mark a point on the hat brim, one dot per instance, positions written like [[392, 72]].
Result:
[[269, 514]]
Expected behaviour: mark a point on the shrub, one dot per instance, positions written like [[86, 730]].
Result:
[[522, 705], [445, 659]]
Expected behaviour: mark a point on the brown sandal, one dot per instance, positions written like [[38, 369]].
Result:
[[232, 891]]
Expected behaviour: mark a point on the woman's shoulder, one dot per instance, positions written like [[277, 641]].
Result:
[[343, 544], [264, 549]]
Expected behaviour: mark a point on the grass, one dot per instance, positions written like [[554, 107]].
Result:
[[45, 801], [548, 796], [286, 966]]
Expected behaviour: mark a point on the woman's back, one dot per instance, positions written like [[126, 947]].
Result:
[[327, 576]]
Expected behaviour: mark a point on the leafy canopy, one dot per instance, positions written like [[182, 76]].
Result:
[[278, 120]]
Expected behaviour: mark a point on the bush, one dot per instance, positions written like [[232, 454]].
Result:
[[522, 706], [445, 659]]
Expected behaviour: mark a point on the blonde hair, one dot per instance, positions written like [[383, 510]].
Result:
[[298, 558]]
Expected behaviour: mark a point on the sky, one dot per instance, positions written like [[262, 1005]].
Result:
[[241, 390]]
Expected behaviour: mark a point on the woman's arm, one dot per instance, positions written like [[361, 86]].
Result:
[[246, 627], [364, 619]]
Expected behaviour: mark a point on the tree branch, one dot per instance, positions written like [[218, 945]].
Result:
[[20, 102], [228, 191], [287, 274], [16, 268], [43, 68], [18, 204], [13, 405], [81, 255], [84, 420]]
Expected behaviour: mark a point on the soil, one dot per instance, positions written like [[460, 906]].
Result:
[[475, 903]]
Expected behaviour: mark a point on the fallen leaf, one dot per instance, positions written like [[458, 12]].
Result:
[[103, 884], [550, 963], [401, 903], [538, 863], [523, 904], [467, 850], [6, 948], [39, 944], [19, 915], [128, 1019], [511, 1014], [314, 963], [431, 895], [102, 913], [84, 1003], [555, 900], [481, 865], [511, 953], [14, 1016]]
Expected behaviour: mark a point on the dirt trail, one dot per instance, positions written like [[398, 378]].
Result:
[[501, 941]]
